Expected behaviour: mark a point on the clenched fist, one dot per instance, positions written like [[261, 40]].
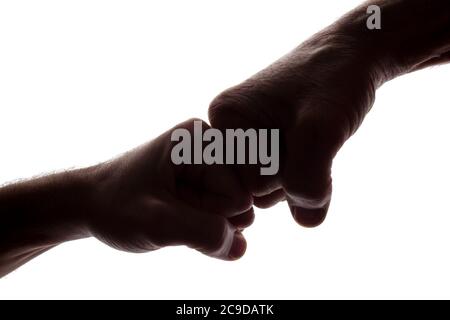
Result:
[[319, 94]]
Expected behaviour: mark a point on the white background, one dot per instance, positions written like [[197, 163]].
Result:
[[81, 81]]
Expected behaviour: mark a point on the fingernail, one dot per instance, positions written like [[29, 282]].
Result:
[[238, 247]]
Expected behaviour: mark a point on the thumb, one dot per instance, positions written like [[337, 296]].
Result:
[[311, 146], [211, 234]]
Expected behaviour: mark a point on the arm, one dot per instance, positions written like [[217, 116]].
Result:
[[319, 94], [137, 202], [414, 34], [39, 214]]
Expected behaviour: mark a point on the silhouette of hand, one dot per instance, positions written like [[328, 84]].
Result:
[[319, 94], [317, 97], [146, 202]]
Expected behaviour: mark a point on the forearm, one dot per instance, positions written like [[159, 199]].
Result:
[[39, 214], [413, 33]]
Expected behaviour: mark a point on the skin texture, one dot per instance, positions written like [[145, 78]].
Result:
[[319, 94], [137, 202]]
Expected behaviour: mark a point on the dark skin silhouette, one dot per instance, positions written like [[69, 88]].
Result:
[[137, 202], [317, 95]]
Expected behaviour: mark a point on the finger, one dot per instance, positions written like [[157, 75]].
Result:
[[236, 108], [213, 235], [269, 200], [212, 187], [307, 217], [224, 192], [312, 145], [198, 189], [244, 220]]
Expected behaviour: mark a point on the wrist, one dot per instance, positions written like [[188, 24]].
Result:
[[44, 212], [372, 51], [97, 198], [66, 202], [86, 185], [411, 33]]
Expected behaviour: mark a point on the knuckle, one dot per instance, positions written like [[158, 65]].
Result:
[[191, 122], [243, 106], [224, 108], [240, 203], [233, 96]]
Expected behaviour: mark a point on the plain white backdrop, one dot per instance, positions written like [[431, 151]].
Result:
[[82, 81]]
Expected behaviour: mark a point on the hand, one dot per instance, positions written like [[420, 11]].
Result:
[[319, 94], [317, 99], [138, 202], [145, 202]]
